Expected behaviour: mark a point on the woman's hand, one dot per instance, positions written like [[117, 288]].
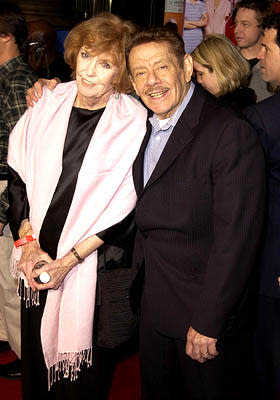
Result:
[[57, 269], [31, 254], [33, 94], [189, 24]]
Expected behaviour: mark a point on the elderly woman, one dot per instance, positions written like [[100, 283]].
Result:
[[71, 190], [220, 68]]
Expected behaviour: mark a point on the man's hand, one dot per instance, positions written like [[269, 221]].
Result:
[[33, 94], [199, 347]]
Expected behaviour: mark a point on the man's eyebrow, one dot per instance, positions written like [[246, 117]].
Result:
[[155, 63]]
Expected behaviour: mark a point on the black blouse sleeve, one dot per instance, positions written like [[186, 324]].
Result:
[[18, 202], [121, 234]]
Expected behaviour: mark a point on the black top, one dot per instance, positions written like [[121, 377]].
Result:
[[252, 62], [82, 124], [240, 98]]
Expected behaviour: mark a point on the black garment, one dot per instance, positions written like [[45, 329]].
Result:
[[252, 62], [265, 118], [169, 374], [82, 124], [240, 98], [93, 382], [268, 348]]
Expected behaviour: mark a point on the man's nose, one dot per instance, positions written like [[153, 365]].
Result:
[[260, 55], [152, 78]]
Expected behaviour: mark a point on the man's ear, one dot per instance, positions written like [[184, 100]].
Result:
[[133, 84], [6, 37], [188, 67]]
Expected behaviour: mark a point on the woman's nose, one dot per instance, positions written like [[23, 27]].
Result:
[[91, 69]]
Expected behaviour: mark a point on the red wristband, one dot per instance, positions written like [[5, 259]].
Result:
[[24, 240]]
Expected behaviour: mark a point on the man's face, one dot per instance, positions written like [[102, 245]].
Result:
[[270, 57], [247, 30], [158, 78]]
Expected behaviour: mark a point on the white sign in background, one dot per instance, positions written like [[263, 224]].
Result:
[[174, 6]]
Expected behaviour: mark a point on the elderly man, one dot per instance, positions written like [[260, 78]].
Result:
[[265, 117], [199, 177]]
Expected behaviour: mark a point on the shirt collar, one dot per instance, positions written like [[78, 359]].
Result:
[[177, 114]]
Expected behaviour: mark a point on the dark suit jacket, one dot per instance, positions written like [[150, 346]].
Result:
[[199, 219], [265, 117]]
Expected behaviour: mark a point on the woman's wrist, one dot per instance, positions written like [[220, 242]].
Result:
[[69, 260], [29, 247], [25, 228]]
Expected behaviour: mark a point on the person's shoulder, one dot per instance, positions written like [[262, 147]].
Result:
[[273, 100], [269, 105], [20, 76], [214, 119], [240, 98], [62, 89], [213, 108]]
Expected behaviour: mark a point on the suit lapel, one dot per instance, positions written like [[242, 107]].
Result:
[[138, 169]]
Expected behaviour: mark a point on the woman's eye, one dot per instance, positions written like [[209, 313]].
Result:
[[106, 65], [84, 54]]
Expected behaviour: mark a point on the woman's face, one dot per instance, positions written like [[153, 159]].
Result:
[[206, 78], [95, 76]]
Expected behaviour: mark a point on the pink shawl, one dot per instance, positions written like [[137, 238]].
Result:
[[104, 195]]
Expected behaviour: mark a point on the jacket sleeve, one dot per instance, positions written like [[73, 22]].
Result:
[[238, 206], [4, 205], [121, 234], [19, 205]]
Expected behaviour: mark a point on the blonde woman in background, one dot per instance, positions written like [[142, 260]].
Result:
[[221, 70]]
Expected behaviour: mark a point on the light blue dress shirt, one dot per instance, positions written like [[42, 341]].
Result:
[[160, 135]]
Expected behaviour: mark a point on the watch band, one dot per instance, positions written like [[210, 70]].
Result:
[[77, 255]]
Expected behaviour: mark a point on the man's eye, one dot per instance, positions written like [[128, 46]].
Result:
[[163, 67], [139, 74]]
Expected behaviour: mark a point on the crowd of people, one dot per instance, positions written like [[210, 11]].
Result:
[[140, 200]]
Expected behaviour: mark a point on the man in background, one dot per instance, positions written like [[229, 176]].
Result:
[[265, 117], [248, 16], [15, 77]]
